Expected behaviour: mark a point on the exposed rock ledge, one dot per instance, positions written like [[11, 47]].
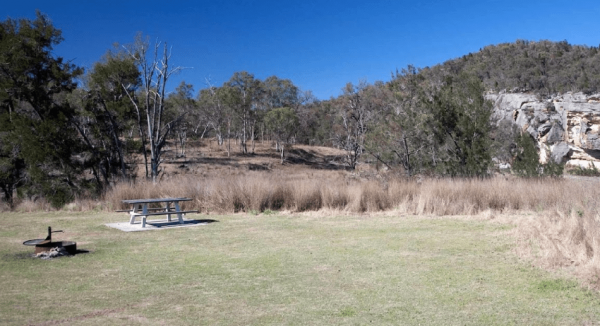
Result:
[[566, 127]]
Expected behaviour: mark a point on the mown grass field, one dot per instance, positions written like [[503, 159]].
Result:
[[282, 270]]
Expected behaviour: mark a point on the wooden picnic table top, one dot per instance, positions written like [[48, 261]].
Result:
[[154, 200]]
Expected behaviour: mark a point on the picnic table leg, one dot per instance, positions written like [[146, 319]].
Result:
[[132, 213], [145, 214], [168, 209], [178, 210]]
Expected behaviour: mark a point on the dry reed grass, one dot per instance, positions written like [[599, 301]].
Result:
[[33, 205], [265, 191]]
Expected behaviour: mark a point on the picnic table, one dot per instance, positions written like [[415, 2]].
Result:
[[139, 207]]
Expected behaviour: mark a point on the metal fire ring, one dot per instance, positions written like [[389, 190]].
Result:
[[33, 242]]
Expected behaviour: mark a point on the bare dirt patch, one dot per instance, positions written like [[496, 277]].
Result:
[[206, 157]]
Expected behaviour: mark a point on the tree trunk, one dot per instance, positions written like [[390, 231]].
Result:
[[114, 132], [253, 124], [408, 171], [243, 140], [182, 140], [143, 139], [228, 137]]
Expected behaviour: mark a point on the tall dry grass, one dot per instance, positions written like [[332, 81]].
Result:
[[264, 191], [558, 240]]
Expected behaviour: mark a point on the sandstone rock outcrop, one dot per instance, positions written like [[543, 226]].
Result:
[[566, 127]]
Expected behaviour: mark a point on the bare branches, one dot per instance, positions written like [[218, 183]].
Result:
[[155, 71]]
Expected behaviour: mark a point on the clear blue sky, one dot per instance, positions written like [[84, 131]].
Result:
[[319, 45]]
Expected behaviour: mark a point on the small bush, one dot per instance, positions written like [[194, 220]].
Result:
[[553, 169], [590, 171], [134, 145], [58, 195], [526, 163]]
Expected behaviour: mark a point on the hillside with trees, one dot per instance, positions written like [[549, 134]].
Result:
[[543, 67], [67, 133]]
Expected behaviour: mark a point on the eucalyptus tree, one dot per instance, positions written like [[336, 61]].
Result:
[[401, 134], [183, 111], [216, 114], [316, 120], [310, 117], [205, 117], [242, 94], [282, 123], [354, 113], [278, 93]]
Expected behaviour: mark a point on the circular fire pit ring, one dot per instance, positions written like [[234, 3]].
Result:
[[33, 242], [45, 245]]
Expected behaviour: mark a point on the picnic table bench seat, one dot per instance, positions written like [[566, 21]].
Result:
[[165, 213], [160, 209], [145, 215], [140, 208]]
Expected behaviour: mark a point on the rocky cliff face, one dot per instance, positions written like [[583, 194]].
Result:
[[566, 127]]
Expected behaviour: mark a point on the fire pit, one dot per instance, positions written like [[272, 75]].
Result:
[[46, 245]]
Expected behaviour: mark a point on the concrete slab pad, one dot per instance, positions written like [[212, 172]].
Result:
[[158, 224]]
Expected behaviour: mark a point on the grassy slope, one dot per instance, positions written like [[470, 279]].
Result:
[[281, 270]]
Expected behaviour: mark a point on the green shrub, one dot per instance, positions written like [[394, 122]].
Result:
[[552, 169], [527, 164], [527, 161], [134, 145], [590, 171]]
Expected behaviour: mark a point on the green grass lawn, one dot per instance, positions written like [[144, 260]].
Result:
[[281, 270]]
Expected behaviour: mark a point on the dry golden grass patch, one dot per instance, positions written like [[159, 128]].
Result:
[[259, 191], [563, 241]]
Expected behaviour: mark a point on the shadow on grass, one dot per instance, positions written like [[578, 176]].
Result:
[[176, 223], [81, 251]]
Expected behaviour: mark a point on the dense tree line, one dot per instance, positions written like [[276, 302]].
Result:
[[64, 131]]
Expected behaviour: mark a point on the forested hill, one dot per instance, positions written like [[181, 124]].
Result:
[[543, 67]]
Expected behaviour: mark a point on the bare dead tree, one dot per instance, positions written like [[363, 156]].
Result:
[[354, 113], [155, 73]]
